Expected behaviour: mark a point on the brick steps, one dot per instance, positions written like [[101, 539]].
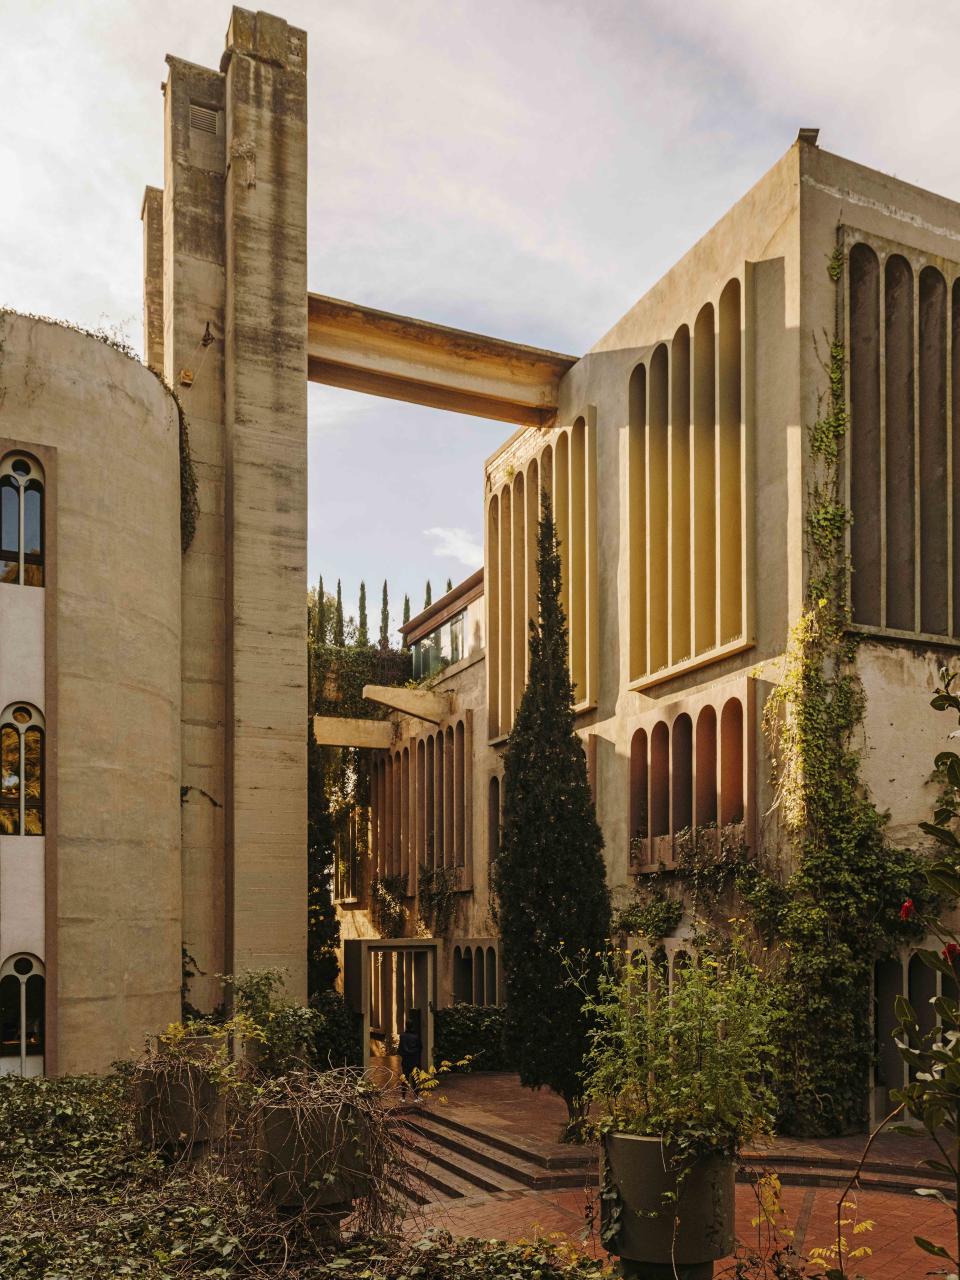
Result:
[[456, 1160], [530, 1150]]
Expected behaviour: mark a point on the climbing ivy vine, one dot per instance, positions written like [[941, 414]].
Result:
[[838, 908]]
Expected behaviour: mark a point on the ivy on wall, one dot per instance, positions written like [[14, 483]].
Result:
[[837, 910]]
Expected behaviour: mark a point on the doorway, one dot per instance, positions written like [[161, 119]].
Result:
[[388, 982]]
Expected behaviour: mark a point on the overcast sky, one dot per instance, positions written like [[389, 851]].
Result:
[[524, 168]]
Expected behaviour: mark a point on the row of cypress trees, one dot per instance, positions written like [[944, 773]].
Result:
[[332, 627]]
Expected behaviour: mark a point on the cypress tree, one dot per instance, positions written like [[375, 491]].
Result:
[[339, 635], [363, 635], [428, 596], [406, 614], [385, 620], [449, 584], [321, 631], [549, 879]]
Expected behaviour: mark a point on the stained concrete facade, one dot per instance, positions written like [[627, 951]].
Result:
[[233, 290], [93, 897], [153, 665], [680, 475]]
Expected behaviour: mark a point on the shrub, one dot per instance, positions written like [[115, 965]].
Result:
[[339, 1034], [80, 1199], [470, 1030]]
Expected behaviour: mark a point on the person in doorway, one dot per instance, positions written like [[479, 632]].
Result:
[[411, 1051]]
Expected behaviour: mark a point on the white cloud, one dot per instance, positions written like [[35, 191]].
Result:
[[457, 544]]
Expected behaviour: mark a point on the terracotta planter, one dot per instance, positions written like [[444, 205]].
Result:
[[178, 1106], [645, 1233], [297, 1164]]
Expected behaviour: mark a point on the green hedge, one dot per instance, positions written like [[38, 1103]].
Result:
[[473, 1030]]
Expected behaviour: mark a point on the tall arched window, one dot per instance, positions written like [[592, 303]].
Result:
[[21, 520], [22, 1031], [21, 771]]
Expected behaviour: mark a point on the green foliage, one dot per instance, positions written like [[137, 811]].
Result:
[[406, 609], [692, 1065], [388, 905], [549, 880], [449, 586], [324, 1034], [339, 1033], [473, 1031], [323, 928], [440, 1256], [838, 910], [437, 889], [80, 1198], [651, 915], [932, 1053], [428, 595], [189, 502]]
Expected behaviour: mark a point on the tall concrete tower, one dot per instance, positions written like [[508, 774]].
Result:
[[225, 292]]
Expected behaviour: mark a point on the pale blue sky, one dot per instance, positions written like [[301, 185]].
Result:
[[526, 168]]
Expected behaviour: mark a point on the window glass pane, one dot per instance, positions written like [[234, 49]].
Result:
[[35, 1019], [9, 763], [32, 765], [456, 638], [32, 574], [8, 570], [9, 515], [10, 1016], [33, 521], [9, 820], [21, 466], [32, 822]]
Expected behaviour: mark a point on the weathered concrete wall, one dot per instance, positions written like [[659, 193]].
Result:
[[112, 680]]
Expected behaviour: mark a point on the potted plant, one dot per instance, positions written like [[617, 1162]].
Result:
[[324, 1141], [181, 1085], [678, 1080]]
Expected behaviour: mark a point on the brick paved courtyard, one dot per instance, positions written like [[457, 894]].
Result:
[[498, 1104]]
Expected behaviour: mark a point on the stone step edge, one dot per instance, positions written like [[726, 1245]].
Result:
[[762, 1159], [578, 1158], [520, 1177], [816, 1177]]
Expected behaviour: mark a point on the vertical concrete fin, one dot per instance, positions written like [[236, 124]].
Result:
[[193, 303], [266, 444], [151, 215]]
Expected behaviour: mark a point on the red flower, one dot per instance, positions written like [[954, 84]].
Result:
[[908, 910], [951, 951]]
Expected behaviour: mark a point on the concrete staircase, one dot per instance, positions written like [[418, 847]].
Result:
[[453, 1160]]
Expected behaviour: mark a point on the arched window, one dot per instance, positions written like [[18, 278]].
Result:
[[21, 771], [21, 520], [22, 1031]]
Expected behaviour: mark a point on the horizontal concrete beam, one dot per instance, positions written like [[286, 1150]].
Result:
[[422, 703], [405, 359], [347, 731]]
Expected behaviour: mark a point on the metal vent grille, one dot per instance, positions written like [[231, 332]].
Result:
[[203, 119]]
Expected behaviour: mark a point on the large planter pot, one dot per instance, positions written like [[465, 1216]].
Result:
[[638, 1224], [299, 1170], [178, 1106]]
